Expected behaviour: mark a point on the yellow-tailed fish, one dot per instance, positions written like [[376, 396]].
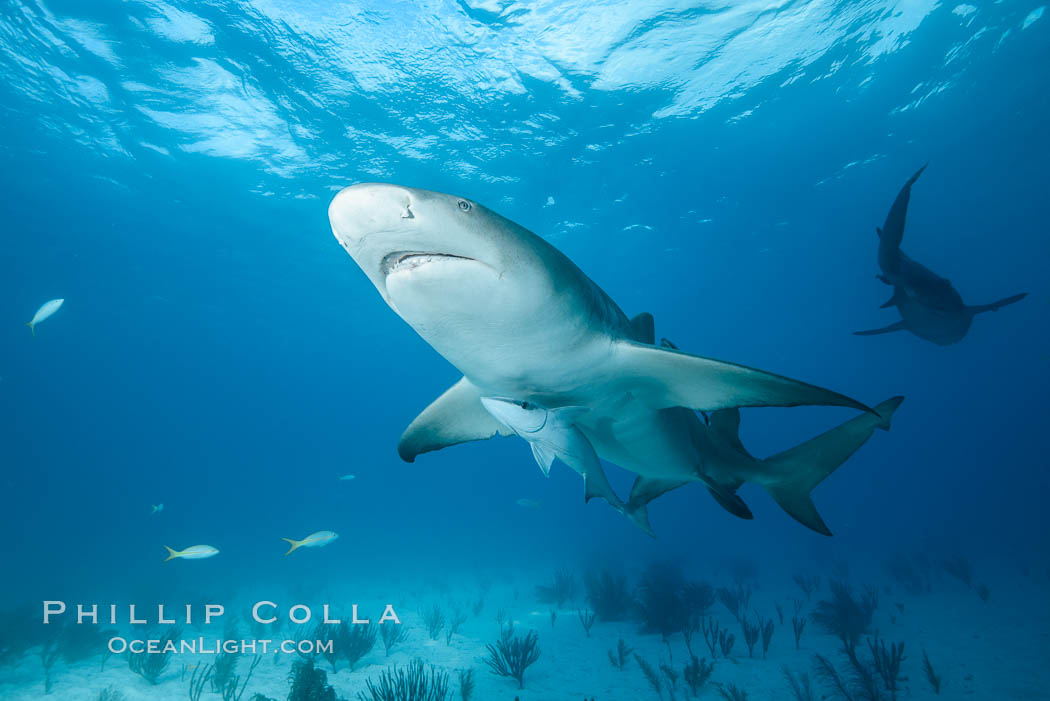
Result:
[[314, 540], [45, 311], [194, 552]]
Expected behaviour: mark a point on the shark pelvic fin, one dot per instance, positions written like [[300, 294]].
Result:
[[895, 299], [793, 474], [646, 489], [544, 457], [457, 416], [896, 326], [643, 328], [664, 378]]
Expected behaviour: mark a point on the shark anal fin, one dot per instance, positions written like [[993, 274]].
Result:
[[896, 326], [794, 473], [996, 306], [663, 378], [643, 328], [544, 457], [457, 416]]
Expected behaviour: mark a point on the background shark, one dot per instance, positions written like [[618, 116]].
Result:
[[525, 326], [930, 307]]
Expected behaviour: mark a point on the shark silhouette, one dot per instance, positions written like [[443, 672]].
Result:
[[929, 305]]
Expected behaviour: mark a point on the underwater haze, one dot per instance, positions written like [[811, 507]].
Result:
[[222, 373]]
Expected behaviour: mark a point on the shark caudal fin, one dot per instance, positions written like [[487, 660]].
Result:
[[32, 328], [171, 554], [996, 306], [296, 544], [793, 474]]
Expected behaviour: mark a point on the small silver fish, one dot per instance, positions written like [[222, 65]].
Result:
[[194, 552], [348, 477], [528, 503], [157, 508], [314, 540], [45, 311]]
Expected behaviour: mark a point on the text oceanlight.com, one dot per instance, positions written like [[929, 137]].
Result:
[[215, 646]]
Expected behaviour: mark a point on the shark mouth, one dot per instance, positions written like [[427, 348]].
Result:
[[409, 260]]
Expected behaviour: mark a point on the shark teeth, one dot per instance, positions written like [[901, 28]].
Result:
[[409, 260]]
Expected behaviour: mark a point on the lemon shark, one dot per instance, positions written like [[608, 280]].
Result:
[[929, 305], [526, 327]]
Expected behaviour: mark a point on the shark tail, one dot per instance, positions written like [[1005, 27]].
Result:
[[794, 473], [171, 554], [296, 544], [32, 327]]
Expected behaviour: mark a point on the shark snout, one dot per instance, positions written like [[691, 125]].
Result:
[[361, 210]]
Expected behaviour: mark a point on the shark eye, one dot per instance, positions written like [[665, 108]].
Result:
[[524, 405], [464, 205]]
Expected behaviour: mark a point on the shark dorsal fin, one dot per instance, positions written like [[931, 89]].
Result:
[[544, 457]]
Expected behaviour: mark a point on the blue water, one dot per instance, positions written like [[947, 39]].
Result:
[[167, 170]]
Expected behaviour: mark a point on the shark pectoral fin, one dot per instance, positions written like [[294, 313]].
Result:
[[544, 457], [643, 328], [896, 326], [996, 306], [663, 378], [793, 474], [457, 416]]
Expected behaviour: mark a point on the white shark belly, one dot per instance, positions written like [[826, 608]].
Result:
[[649, 443]]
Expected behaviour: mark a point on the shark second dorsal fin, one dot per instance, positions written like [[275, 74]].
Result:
[[457, 416], [643, 328], [666, 378]]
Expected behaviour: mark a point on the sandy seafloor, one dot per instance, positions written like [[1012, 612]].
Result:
[[994, 650]]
